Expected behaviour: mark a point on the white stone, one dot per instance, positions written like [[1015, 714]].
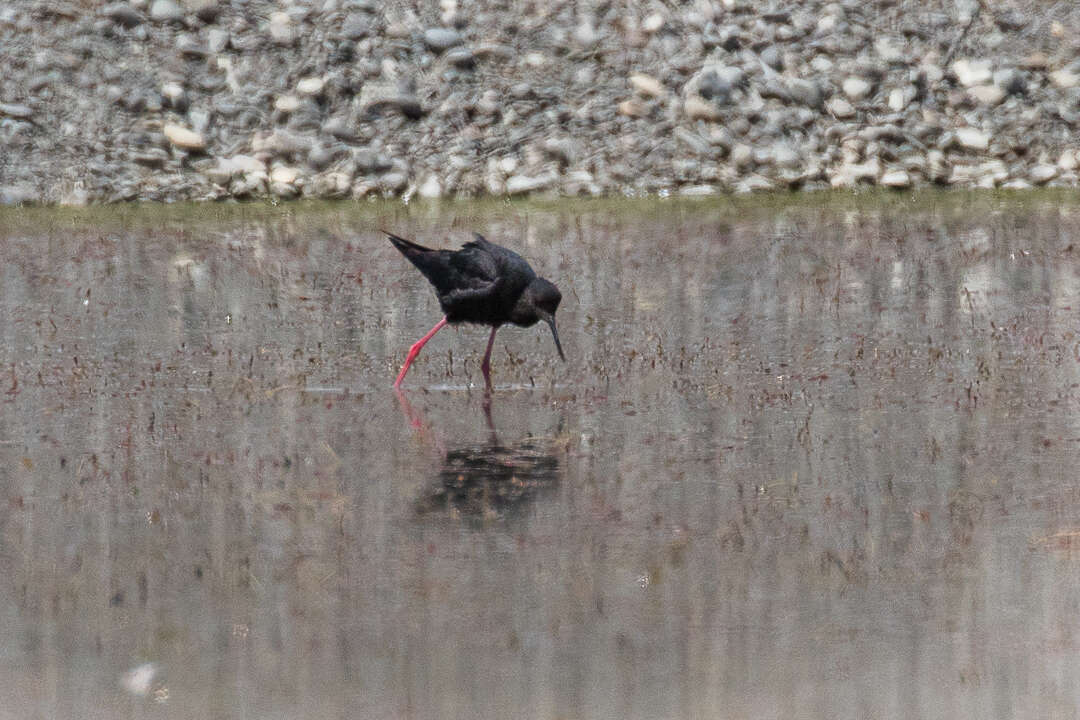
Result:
[[229, 167], [897, 100], [508, 164], [698, 109], [284, 174], [753, 183], [840, 108], [519, 184], [311, 86], [934, 73], [973, 72], [172, 91], [783, 156], [697, 190], [1068, 161], [852, 173], [1064, 79], [181, 137], [988, 95], [1043, 173], [287, 103], [646, 85], [889, 50], [653, 23], [972, 138], [896, 179], [936, 166], [586, 34], [632, 108], [281, 30], [284, 190], [431, 189], [856, 88], [742, 155]]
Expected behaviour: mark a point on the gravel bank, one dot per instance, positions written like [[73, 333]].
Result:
[[212, 99]]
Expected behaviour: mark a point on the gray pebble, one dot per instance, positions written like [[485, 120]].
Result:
[[771, 56], [14, 110], [524, 184], [166, 11], [461, 57], [441, 39], [370, 162], [393, 182], [217, 39], [123, 14], [190, 47], [1011, 81], [356, 26], [320, 156], [712, 86]]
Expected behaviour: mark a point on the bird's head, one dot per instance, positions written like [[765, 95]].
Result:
[[540, 301]]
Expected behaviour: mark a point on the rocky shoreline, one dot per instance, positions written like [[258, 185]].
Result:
[[168, 100]]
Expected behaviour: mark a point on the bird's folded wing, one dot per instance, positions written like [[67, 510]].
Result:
[[480, 290]]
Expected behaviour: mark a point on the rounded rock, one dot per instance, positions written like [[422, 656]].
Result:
[[988, 95], [217, 40], [646, 85], [183, 138], [972, 72], [972, 138], [460, 57], [1011, 81], [441, 39], [857, 88], [166, 11], [281, 29], [311, 87], [771, 56], [122, 13], [697, 109], [653, 23], [431, 189], [898, 179], [287, 104], [840, 108], [1043, 173]]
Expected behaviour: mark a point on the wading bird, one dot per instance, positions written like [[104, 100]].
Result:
[[481, 283]]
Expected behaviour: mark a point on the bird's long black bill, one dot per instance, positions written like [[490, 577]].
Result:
[[555, 332]]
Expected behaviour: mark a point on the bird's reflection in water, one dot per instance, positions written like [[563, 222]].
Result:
[[490, 481], [486, 481]]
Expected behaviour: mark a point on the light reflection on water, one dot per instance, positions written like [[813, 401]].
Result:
[[817, 463]]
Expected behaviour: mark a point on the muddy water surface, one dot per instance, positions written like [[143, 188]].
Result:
[[814, 460]]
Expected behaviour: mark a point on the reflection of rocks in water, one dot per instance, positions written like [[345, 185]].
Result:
[[490, 481]]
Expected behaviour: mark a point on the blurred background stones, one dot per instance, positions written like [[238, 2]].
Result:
[[135, 99]]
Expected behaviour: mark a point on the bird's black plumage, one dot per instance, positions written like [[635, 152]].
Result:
[[480, 283], [484, 283]]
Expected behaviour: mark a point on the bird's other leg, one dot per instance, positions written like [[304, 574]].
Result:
[[415, 350], [485, 366]]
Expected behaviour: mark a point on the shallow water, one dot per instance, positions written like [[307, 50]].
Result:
[[807, 460]]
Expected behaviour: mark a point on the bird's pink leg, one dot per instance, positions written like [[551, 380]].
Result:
[[485, 366], [415, 350]]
